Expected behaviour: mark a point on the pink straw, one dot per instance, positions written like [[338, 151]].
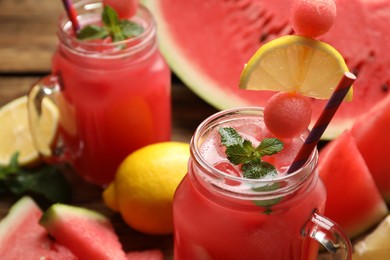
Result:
[[72, 15], [323, 121]]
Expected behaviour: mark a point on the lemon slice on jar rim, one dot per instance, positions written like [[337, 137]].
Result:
[[295, 64]]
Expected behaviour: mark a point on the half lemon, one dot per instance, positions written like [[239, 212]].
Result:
[[15, 133], [376, 245], [295, 64]]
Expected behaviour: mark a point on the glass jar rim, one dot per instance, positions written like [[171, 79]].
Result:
[[143, 14], [211, 122]]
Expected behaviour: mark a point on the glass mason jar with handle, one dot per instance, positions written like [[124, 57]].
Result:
[[112, 97], [220, 215]]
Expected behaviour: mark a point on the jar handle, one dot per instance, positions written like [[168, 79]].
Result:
[[44, 90], [330, 235]]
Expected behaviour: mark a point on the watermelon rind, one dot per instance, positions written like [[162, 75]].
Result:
[[59, 210], [200, 83], [21, 237], [14, 217], [87, 233], [207, 43]]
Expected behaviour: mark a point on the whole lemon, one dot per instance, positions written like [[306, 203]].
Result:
[[144, 185]]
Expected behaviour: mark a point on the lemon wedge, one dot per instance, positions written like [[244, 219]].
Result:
[[376, 245], [295, 64], [15, 131]]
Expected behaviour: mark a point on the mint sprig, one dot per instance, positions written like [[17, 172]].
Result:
[[114, 27], [46, 181], [241, 151]]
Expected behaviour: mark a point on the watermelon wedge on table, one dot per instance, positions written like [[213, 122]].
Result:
[[87, 233], [207, 43], [353, 200], [371, 132], [150, 254], [21, 237]]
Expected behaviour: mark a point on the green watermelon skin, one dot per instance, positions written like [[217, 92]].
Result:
[[208, 48], [353, 200], [371, 132], [21, 237], [87, 233]]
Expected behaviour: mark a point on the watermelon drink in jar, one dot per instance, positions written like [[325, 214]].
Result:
[[113, 97], [221, 212]]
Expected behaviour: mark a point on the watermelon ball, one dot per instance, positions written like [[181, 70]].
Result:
[[312, 18], [125, 8], [287, 115]]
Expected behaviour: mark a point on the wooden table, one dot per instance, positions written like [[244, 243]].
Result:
[[27, 42]]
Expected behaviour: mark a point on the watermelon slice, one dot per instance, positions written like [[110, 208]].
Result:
[[353, 200], [371, 132], [151, 254], [87, 233], [21, 237], [208, 48]]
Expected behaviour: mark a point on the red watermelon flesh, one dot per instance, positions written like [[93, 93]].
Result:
[[371, 132], [353, 200], [151, 254], [21, 237], [208, 48], [87, 233]]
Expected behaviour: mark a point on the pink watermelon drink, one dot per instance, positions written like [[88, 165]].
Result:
[[114, 96], [219, 214]]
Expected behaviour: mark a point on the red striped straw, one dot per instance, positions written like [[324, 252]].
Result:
[[72, 15], [323, 121]]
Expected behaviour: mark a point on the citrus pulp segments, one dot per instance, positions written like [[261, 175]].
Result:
[[15, 131], [44, 126], [295, 64], [376, 244]]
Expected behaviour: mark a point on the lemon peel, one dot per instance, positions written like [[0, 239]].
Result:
[[295, 64], [144, 185], [109, 197]]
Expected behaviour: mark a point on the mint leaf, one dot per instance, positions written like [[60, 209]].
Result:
[[47, 181], [241, 151], [109, 16], [267, 203], [269, 146], [230, 137], [111, 20], [238, 149], [10, 168], [130, 29], [117, 29], [256, 170], [93, 32]]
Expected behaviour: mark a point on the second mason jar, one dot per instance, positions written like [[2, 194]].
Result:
[[112, 97]]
